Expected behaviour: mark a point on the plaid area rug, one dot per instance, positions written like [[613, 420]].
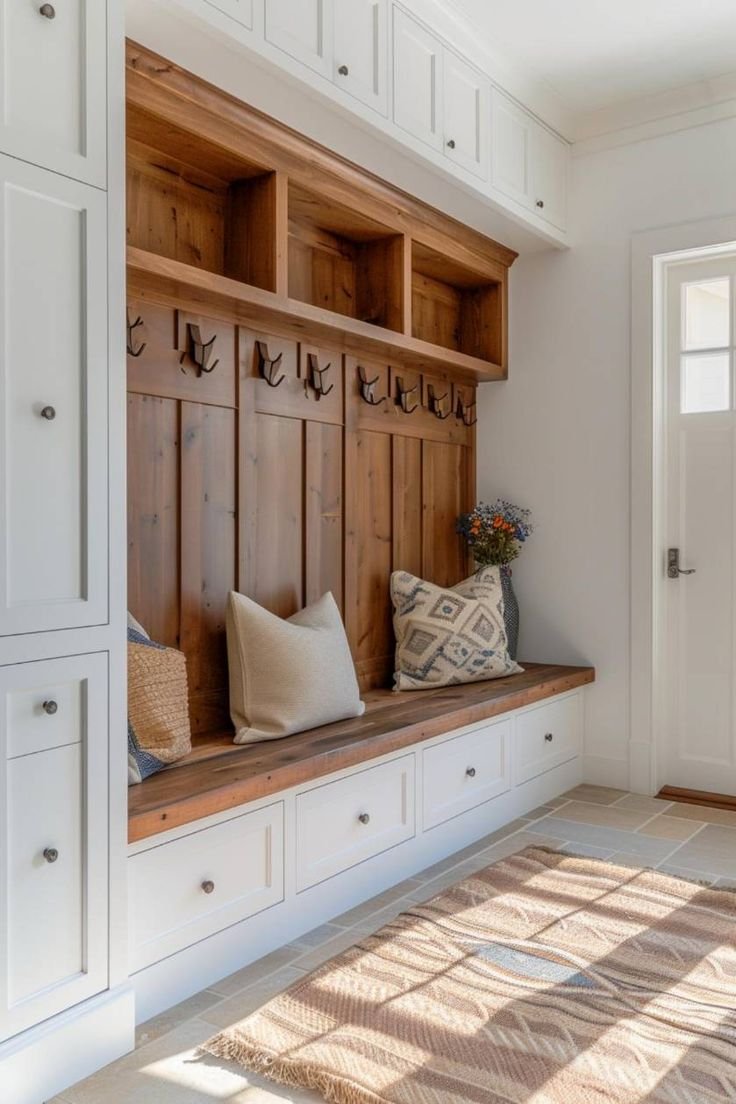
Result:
[[544, 979]]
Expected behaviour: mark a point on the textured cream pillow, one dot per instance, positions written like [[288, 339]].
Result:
[[287, 676], [449, 635]]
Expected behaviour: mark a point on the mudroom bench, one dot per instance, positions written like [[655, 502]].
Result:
[[239, 850]]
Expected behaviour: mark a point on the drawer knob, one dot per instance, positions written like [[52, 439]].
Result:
[[364, 818], [549, 737], [451, 144], [470, 772], [51, 854], [343, 70], [50, 707], [208, 886], [48, 11], [540, 203], [49, 413]]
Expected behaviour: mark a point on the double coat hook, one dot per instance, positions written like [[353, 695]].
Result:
[[435, 403], [466, 414], [403, 396], [268, 366], [132, 351], [315, 377], [367, 392], [199, 351]]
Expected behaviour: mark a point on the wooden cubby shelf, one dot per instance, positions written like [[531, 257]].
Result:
[[163, 280]]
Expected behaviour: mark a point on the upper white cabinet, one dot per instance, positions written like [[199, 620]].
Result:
[[466, 112], [360, 58], [240, 10], [52, 85], [53, 861], [439, 97], [417, 80], [302, 29], [53, 401], [528, 162]]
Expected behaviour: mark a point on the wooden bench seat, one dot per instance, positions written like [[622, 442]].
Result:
[[219, 775]]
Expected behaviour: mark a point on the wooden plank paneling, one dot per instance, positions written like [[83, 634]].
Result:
[[407, 504], [373, 550], [153, 516], [208, 556], [445, 496], [323, 548]]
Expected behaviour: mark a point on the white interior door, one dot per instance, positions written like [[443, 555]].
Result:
[[700, 528]]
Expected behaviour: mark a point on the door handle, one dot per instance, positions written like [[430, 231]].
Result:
[[673, 565]]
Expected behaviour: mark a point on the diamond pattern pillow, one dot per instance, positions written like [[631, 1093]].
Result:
[[449, 635]]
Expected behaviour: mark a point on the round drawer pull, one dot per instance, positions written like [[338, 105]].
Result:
[[49, 413], [48, 11], [343, 70], [51, 854], [540, 203], [549, 737], [451, 144], [208, 886], [50, 707], [364, 818], [470, 772]]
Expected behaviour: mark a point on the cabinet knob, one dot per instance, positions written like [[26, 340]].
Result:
[[470, 772], [364, 818], [208, 886], [49, 413], [540, 203], [50, 707], [51, 854], [549, 737], [343, 70], [48, 11], [451, 144]]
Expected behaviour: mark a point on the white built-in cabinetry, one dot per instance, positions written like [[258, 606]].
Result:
[[61, 600], [529, 162]]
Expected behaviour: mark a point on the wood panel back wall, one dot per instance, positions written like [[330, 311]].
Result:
[[275, 445]]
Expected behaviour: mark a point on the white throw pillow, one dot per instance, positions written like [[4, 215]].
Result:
[[288, 676]]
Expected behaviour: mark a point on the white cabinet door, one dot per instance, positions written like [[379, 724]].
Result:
[[549, 176], [466, 115], [302, 29], [53, 401], [361, 50], [511, 149], [240, 10], [53, 856], [52, 85], [417, 80]]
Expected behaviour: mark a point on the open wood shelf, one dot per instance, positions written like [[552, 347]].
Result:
[[151, 276]]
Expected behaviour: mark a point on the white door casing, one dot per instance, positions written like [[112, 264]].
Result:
[[699, 491]]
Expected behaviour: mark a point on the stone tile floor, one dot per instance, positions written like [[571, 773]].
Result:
[[687, 840]]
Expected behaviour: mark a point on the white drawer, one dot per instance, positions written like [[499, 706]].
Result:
[[547, 736], [186, 890], [46, 707], [344, 823], [465, 771]]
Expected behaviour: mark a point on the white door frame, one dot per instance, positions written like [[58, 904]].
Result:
[[651, 254]]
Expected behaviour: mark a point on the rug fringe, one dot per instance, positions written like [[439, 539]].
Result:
[[289, 1072]]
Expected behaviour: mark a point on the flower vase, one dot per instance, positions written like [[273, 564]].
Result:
[[510, 610]]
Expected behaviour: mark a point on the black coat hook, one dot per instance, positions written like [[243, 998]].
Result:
[[435, 403], [366, 389], [199, 351], [132, 351], [403, 395], [267, 366], [315, 378], [466, 413]]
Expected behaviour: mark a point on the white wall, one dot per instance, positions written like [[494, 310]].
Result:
[[556, 436]]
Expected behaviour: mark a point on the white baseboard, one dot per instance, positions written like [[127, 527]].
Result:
[[599, 770], [42, 1062]]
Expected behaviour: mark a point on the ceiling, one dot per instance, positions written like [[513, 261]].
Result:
[[597, 54]]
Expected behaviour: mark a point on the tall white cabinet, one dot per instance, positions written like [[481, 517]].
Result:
[[65, 1006]]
